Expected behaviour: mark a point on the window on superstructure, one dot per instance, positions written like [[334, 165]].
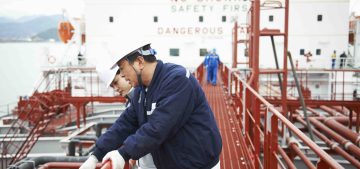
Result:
[[223, 18], [319, 18], [271, 18], [201, 19], [302, 51], [203, 52], [318, 51], [111, 19], [174, 52], [155, 19]]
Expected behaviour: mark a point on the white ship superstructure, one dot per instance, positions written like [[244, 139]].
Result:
[[190, 27]]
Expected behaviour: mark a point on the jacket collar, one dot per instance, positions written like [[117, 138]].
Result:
[[156, 77]]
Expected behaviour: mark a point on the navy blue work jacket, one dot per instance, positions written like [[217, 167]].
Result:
[[172, 120]]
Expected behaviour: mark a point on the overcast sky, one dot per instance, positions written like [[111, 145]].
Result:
[[18, 8], [355, 6]]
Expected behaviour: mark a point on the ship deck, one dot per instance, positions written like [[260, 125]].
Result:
[[232, 155], [249, 139]]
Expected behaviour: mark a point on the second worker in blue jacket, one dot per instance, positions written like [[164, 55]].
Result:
[[169, 117]]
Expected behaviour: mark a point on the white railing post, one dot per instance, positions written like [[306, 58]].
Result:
[[229, 81], [244, 104]]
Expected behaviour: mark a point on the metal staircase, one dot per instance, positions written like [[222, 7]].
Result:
[[34, 115]]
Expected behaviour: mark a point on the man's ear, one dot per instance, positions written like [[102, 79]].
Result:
[[141, 62]]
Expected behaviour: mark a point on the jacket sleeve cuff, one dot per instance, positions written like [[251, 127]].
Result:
[[124, 154], [98, 154]]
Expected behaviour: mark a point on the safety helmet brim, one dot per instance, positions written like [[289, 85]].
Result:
[[107, 75], [122, 52], [100, 56]]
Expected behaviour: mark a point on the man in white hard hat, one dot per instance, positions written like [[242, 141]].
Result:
[[112, 78], [169, 120]]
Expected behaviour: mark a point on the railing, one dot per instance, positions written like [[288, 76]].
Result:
[[338, 85], [37, 111], [72, 165], [199, 72], [262, 136], [5, 109]]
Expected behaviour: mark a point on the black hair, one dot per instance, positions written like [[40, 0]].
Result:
[[134, 55]]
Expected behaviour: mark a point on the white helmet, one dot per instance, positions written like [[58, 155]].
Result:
[[101, 58], [107, 75], [118, 51]]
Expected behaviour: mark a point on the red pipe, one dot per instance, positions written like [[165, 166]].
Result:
[[357, 120], [341, 109], [342, 130], [67, 165], [343, 120], [334, 146], [313, 111], [107, 165], [250, 79], [235, 43], [338, 138], [71, 165], [331, 111], [305, 159], [286, 158]]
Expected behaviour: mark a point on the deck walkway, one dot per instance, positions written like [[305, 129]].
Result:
[[232, 155]]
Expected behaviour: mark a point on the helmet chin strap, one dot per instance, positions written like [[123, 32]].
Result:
[[138, 75]]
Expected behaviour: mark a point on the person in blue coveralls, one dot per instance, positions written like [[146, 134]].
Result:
[[206, 61], [168, 120], [213, 62]]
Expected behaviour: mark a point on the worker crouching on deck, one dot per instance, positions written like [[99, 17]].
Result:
[[169, 118]]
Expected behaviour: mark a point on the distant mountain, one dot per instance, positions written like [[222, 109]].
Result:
[[5, 20], [27, 18], [26, 28], [50, 34]]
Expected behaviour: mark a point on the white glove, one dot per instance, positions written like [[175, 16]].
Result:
[[117, 161], [90, 163]]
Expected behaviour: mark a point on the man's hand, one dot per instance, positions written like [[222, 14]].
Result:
[[90, 163], [116, 159]]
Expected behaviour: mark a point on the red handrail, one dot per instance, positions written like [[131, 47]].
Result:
[[268, 130]]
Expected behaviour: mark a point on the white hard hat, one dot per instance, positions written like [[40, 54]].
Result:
[[107, 75], [119, 50], [101, 58]]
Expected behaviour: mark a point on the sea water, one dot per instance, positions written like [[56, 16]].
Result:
[[20, 69]]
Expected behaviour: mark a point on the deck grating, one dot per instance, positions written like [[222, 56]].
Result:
[[232, 155]]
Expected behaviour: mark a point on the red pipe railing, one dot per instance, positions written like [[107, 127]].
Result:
[[267, 131], [199, 72], [67, 165], [74, 165]]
